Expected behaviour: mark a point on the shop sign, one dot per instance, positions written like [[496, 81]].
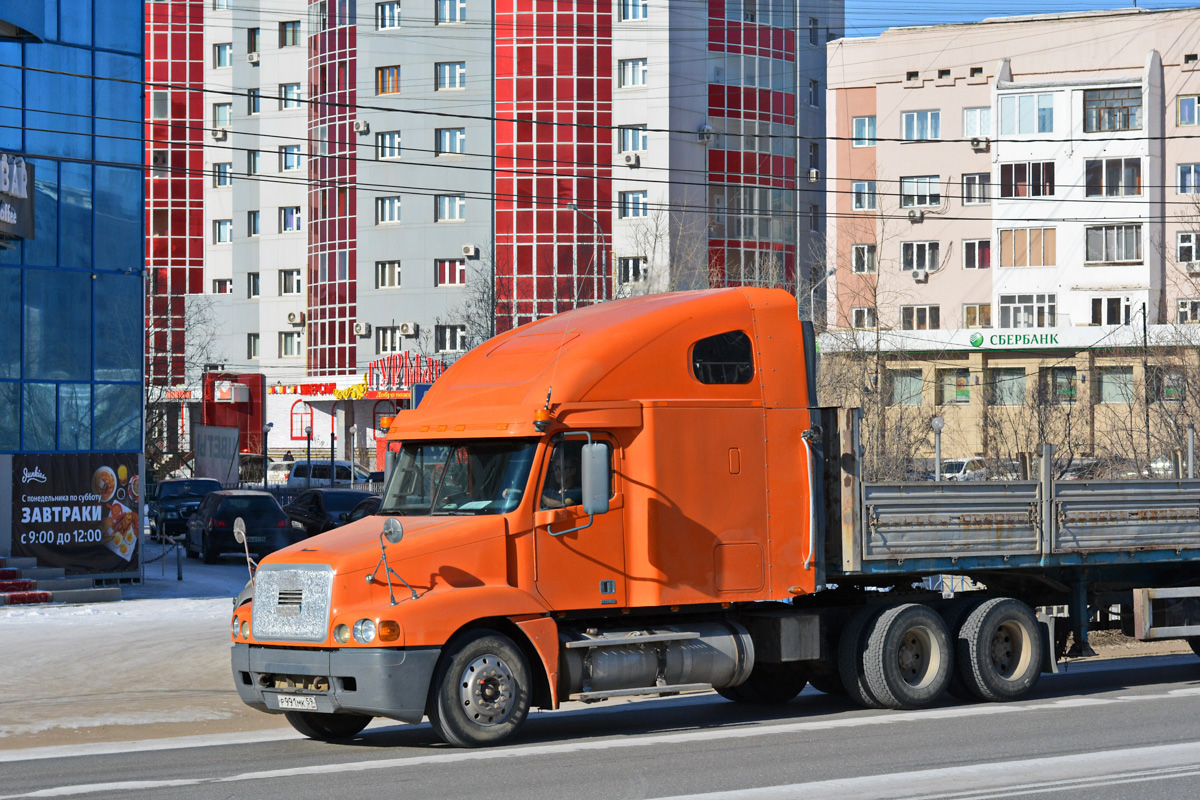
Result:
[[402, 370], [77, 511], [16, 202], [1015, 340]]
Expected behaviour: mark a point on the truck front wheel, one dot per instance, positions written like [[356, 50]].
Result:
[[480, 691], [326, 727], [768, 684]]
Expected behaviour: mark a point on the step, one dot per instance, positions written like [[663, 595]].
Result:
[[592, 697], [52, 585], [8, 562], [106, 594], [37, 574]]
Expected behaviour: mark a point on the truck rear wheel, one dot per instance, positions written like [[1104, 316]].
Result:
[[768, 684], [851, 648], [327, 727], [480, 691], [908, 659], [999, 650]]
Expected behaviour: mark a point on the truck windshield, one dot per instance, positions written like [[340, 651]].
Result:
[[478, 477]]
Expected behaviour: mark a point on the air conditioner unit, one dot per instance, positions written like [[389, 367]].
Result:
[[296, 318], [920, 275], [253, 58], [980, 143], [916, 215], [470, 251], [220, 134], [408, 329], [362, 329], [362, 126], [632, 160], [1193, 266], [814, 175], [705, 134]]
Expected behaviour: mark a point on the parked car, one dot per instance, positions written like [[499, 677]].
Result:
[[368, 507], [963, 469], [210, 529], [305, 474], [173, 501], [278, 472], [319, 510]]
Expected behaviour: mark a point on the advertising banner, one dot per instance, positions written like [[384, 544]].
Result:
[[216, 453], [77, 511]]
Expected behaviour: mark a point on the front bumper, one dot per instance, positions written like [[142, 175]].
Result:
[[381, 682]]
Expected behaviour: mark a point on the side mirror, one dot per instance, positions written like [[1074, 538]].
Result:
[[393, 531], [344, 517], [239, 530], [597, 477]]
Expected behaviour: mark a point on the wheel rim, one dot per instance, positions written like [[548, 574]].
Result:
[[917, 657], [487, 690], [1009, 652]]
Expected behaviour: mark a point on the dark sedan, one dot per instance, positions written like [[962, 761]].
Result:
[[367, 508], [174, 501], [319, 510], [210, 530]]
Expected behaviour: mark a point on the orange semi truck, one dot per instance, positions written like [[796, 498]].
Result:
[[641, 498]]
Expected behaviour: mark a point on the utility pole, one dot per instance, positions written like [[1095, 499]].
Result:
[[1146, 384]]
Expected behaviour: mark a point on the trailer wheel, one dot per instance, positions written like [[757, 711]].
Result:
[[908, 656], [999, 650], [768, 684], [480, 691], [327, 727], [954, 613], [851, 649]]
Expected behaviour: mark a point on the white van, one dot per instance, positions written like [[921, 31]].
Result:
[[316, 474], [963, 469]]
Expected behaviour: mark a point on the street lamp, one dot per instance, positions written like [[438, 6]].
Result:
[[937, 423], [308, 433], [266, 433], [353, 448], [599, 243], [812, 296]]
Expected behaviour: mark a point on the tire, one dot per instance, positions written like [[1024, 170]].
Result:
[[850, 657], [999, 650], [187, 546], [481, 690], [1194, 643], [768, 685], [954, 614], [908, 659], [207, 555], [826, 682], [327, 727]]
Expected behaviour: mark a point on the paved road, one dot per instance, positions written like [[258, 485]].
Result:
[[1122, 728]]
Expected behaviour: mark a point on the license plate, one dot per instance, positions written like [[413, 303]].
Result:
[[299, 701]]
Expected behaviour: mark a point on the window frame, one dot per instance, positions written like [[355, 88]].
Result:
[[449, 338], [222, 231], [633, 204], [970, 246], [978, 112], [289, 154], [388, 275], [291, 213], [290, 282], [454, 136], [928, 250], [387, 203], [1101, 169], [449, 272], [968, 308], [921, 317], [632, 10], [386, 150], [869, 260], [450, 208], [864, 198], [632, 138], [291, 340], [1121, 228], [632, 269], [1042, 306], [1195, 113], [633, 73], [911, 194], [1025, 237], [387, 80], [381, 16], [976, 188], [1194, 174], [449, 76], [222, 173], [289, 33], [1019, 111], [450, 12], [866, 316], [1131, 112], [1038, 179], [869, 138], [223, 55], [933, 125]]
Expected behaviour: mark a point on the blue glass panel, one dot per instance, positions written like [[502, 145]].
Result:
[[43, 250], [10, 113], [119, 141], [119, 327], [117, 417], [51, 31], [75, 215], [119, 209], [75, 21], [75, 416], [58, 134], [120, 25], [10, 416], [58, 325], [10, 323], [38, 418]]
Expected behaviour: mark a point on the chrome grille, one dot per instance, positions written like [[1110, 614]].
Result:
[[291, 603]]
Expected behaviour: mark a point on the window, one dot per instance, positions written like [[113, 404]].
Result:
[[220, 5], [252, 223], [1007, 386], [1165, 384], [977, 315], [253, 286], [450, 272], [387, 274], [953, 386], [1110, 310], [814, 93], [943, 74], [1028, 247], [160, 160], [289, 344], [252, 162], [633, 9], [252, 37], [976, 188], [223, 174], [904, 387], [864, 131], [1113, 244], [977, 122], [919, 255], [289, 95], [1114, 385], [388, 339], [863, 317], [290, 219], [451, 208], [387, 15], [863, 258], [632, 72], [633, 138], [222, 285], [387, 209], [1189, 178], [1026, 113], [724, 359], [253, 101], [1059, 384], [289, 33], [1187, 111], [1112, 109], [289, 157], [222, 115], [451, 11], [814, 218], [223, 55], [912, 75], [918, 126], [387, 144], [451, 141], [1188, 312], [864, 195], [222, 231], [633, 204], [289, 281], [1028, 179], [920, 318], [160, 105], [1186, 248], [976, 72], [451, 75], [921, 191], [1027, 310], [251, 346], [977, 254], [450, 338], [631, 269], [1113, 177], [387, 80]]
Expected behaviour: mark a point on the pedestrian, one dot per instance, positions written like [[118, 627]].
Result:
[[288, 456]]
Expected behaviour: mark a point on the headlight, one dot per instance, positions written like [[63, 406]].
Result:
[[246, 629], [171, 514], [364, 631], [297, 524], [341, 634], [233, 629]]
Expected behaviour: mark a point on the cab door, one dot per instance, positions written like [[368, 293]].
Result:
[[578, 565]]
